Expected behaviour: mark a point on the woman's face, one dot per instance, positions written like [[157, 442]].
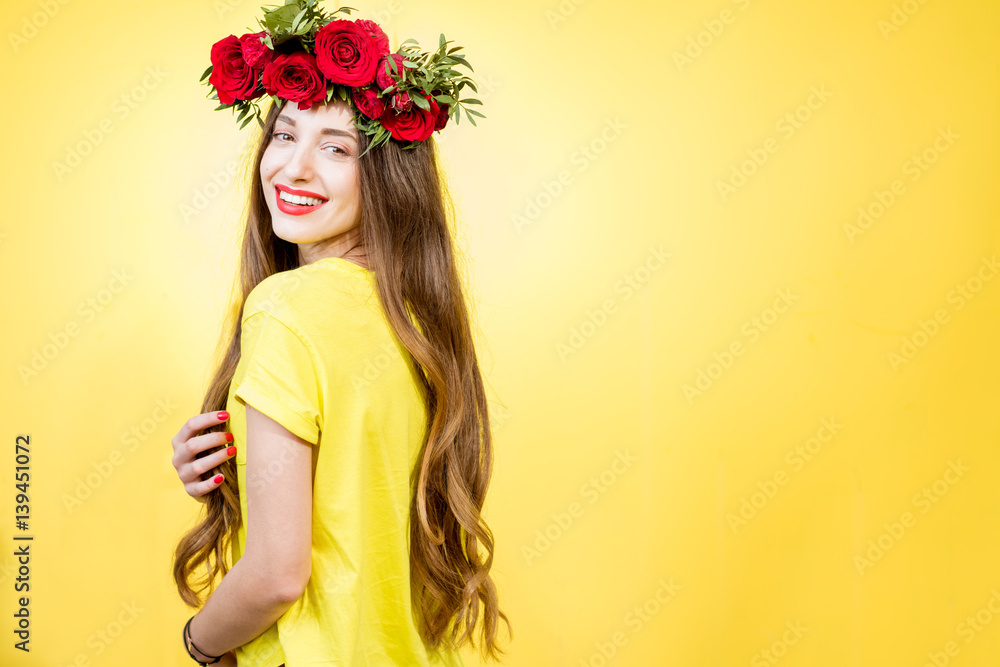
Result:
[[313, 154]]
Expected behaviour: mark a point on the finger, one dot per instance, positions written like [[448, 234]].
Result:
[[206, 443], [198, 447], [197, 489], [199, 466], [199, 423]]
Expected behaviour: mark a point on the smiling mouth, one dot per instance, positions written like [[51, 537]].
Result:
[[296, 204], [299, 200]]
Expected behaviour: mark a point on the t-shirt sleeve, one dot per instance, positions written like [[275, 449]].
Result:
[[278, 376]]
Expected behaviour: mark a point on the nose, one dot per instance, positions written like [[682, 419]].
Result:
[[299, 165]]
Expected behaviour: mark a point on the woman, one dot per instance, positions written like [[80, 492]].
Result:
[[358, 416]]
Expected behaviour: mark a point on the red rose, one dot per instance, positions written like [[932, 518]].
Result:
[[368, 102], [442, 117], [346, 53], [401, 101], [294, 77], [255, 52], [385, 79], [231, 76], [413, 125], [373, 29]]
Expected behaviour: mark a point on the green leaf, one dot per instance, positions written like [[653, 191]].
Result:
[[445, 98], [220, 107], [207, 72], [475, 113], [246, 122], [421, 102], [469, 100], [298, 17], [284, 16], [342, 91]]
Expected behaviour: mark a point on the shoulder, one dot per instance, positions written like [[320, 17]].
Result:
[[311, 295]]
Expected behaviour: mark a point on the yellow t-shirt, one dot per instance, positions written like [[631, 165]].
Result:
[[319, 357]]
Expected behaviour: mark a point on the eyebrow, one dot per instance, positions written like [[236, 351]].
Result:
[[324, 131]]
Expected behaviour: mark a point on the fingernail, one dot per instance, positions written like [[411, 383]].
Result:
[[222, 416], [217, 479], [231, 451], [229, 437]]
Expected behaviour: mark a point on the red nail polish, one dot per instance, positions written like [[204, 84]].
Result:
[[222, 416], [229, 437], [217, 479], [231, 451]]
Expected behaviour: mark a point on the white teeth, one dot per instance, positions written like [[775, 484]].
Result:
[[296, 199]]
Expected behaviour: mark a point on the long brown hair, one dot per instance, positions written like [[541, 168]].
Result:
[[407, 243]]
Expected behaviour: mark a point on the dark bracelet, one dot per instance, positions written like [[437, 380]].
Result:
[[186, 633]]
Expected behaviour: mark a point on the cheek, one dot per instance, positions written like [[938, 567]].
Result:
[[353, 186], [267, 164]]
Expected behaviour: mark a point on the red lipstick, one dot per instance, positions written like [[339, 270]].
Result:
[[295, 209]]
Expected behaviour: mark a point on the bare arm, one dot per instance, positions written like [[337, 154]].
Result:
[[276, 564]]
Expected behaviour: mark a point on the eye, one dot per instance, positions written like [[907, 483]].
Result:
[[338, 151]]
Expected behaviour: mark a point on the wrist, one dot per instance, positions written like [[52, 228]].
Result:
[[197, 654]]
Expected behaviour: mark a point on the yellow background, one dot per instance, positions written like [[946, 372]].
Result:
[[583, 369]]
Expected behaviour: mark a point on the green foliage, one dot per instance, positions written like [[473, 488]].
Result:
[[297, 19]]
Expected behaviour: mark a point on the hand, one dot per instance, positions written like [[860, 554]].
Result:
[[189, 460]]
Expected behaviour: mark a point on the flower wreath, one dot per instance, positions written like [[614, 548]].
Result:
[[305, 55]]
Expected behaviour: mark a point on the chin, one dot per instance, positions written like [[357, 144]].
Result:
[[288, 230]]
